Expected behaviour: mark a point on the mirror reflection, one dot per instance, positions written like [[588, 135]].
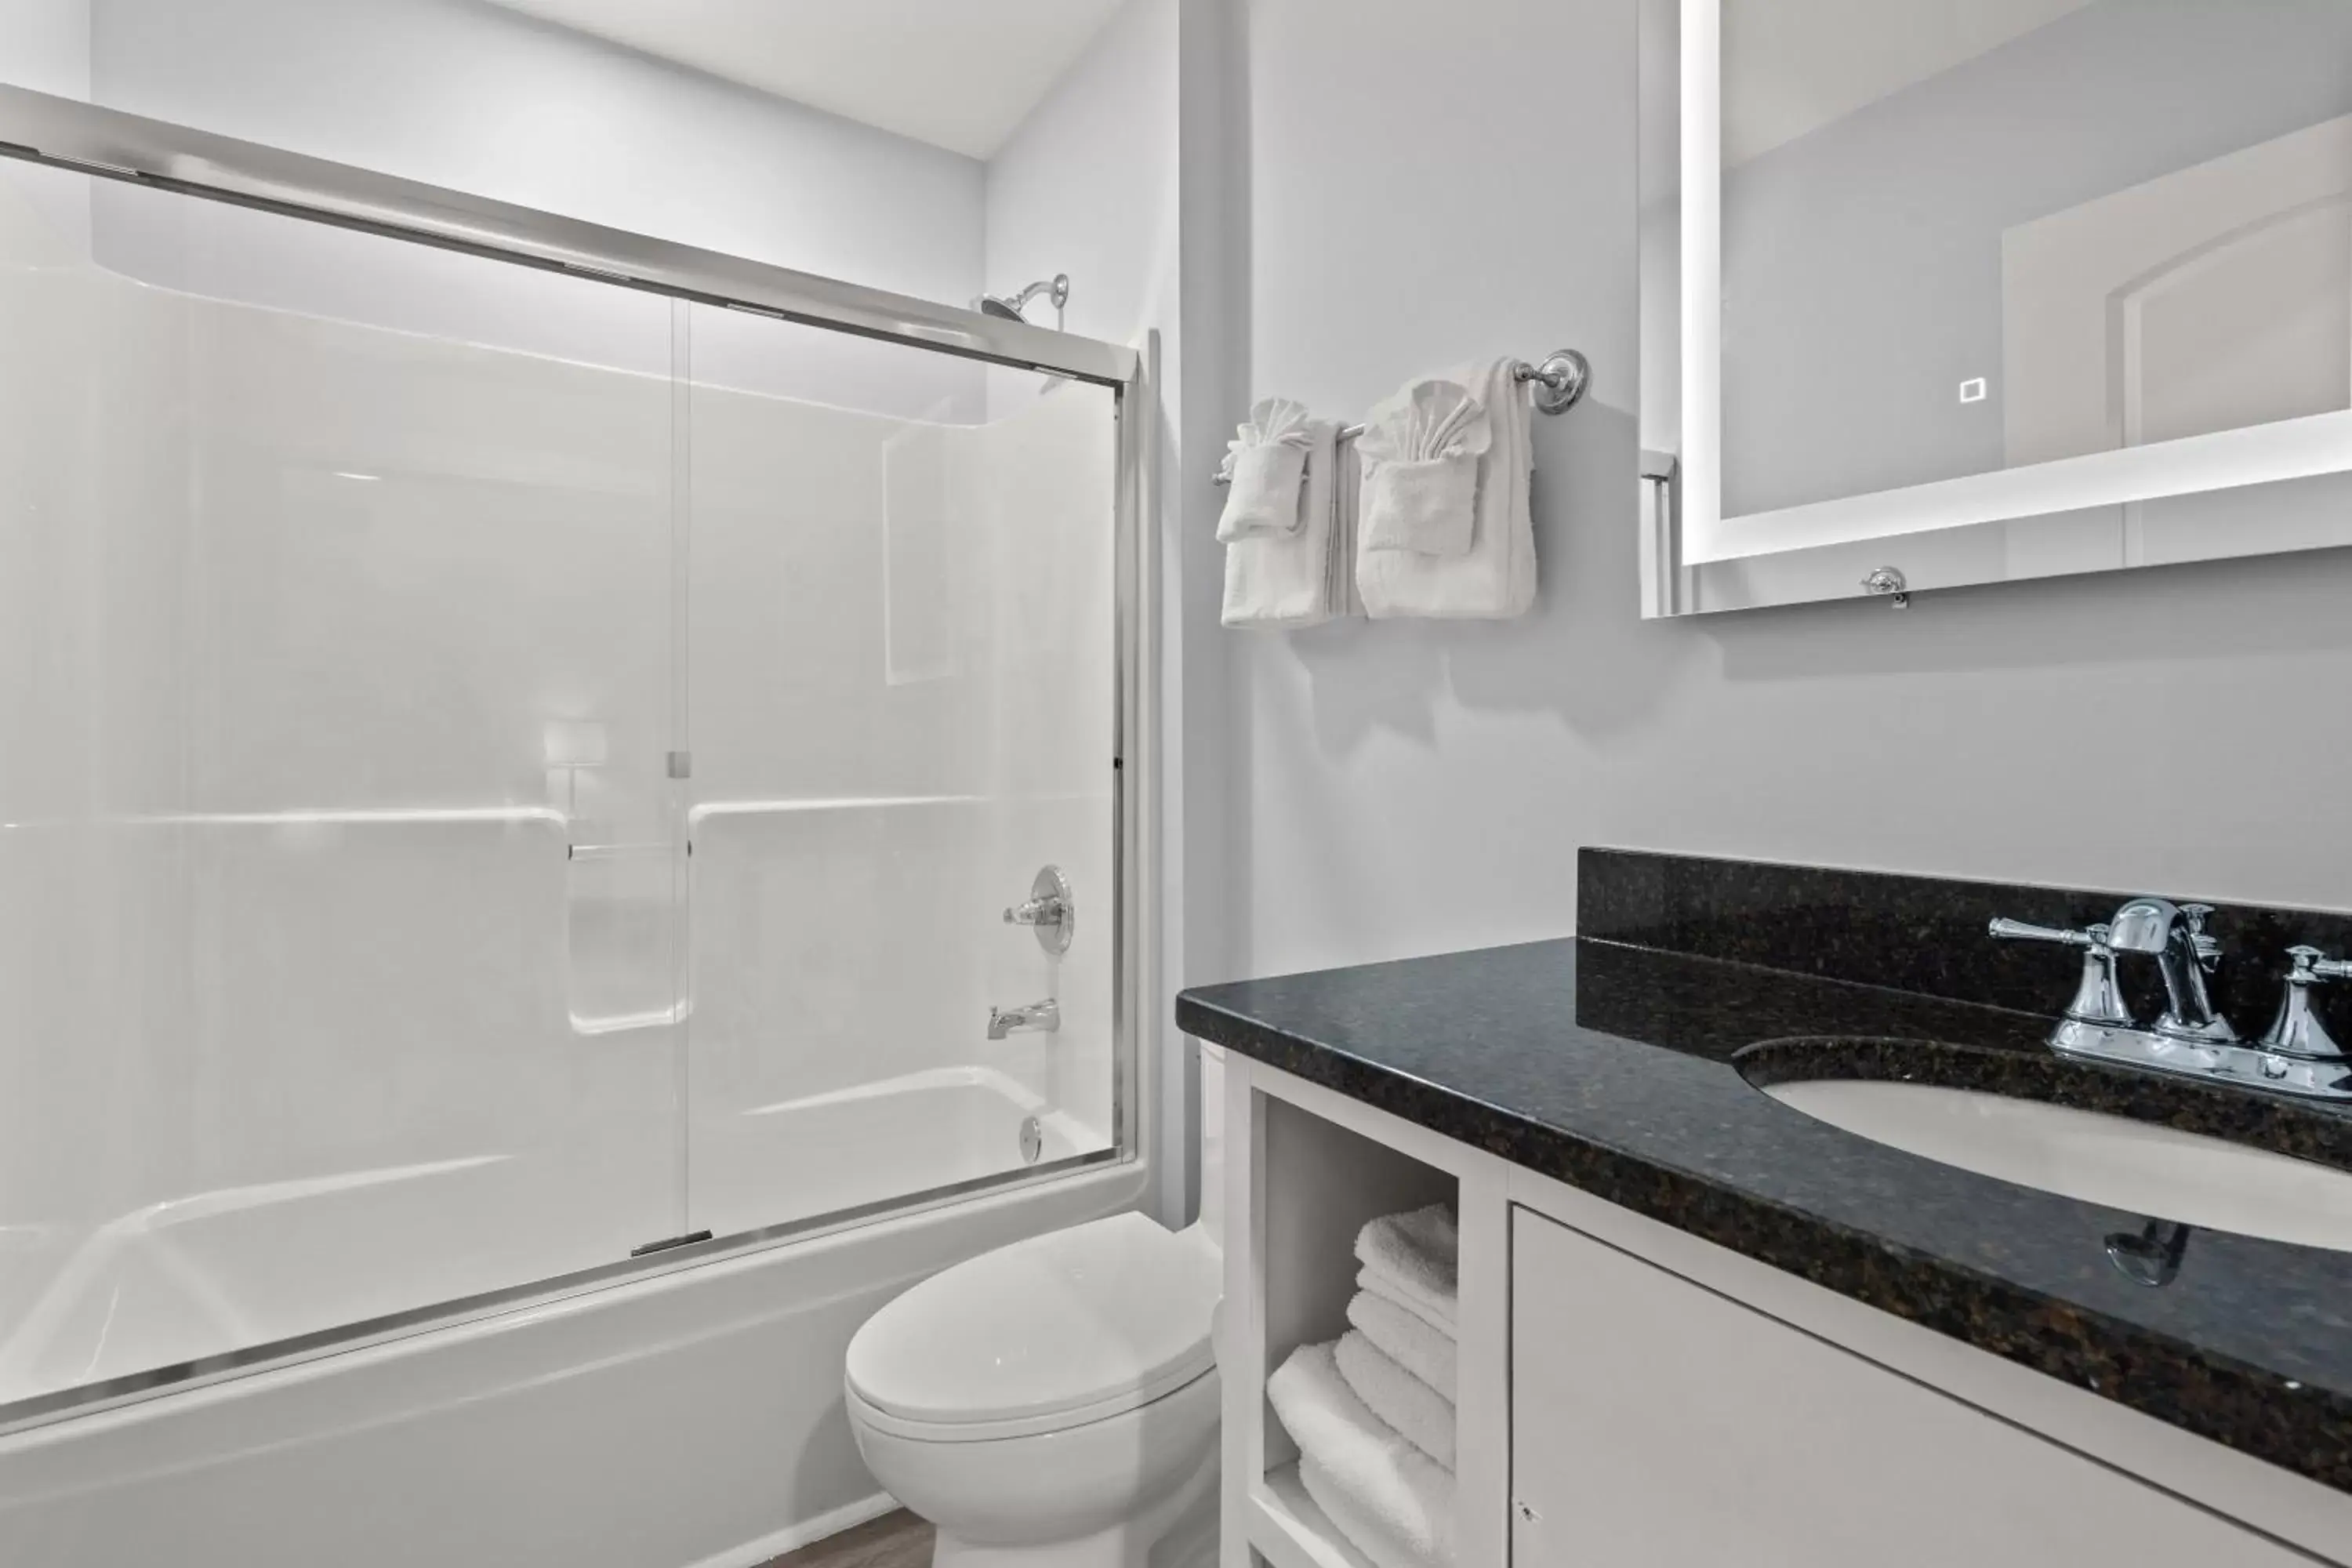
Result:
[[1962, 235]]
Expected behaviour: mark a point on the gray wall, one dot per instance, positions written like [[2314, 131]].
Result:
[[1384, 790], [1862, 262]]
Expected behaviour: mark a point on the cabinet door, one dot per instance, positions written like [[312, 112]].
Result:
[[1657, 1424]]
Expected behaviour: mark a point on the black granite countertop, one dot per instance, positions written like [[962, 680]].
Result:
[[1610, 1067]]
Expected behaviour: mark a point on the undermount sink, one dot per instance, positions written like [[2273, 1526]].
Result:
[[2122, 1162]]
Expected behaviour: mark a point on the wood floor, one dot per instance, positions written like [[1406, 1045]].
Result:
[[895, 1540]]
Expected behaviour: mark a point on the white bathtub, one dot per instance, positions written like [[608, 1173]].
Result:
[[687, 1418]]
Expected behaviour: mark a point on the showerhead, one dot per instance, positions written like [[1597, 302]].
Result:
[[1011, 306]]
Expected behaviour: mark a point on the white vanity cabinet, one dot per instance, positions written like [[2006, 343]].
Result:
[[1655, 1423], [1633, 1396]]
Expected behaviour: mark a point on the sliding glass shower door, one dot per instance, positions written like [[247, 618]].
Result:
[[902, 667], [336, 617], [503, 774]]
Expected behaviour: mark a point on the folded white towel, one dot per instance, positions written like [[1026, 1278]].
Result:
[[1406, 1337], [1420, 1415], [1364, 1532], [1494, 579], [1281, 581], [1394, 1492], [1418, 1256], [1419, 455], [1265, 462]]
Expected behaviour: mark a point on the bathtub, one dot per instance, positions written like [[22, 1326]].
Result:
[[684, 1414]]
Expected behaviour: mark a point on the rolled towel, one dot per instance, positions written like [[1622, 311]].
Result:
[[1418, 1256], [1420, 454], [1364, 1532], [1392, 1491], [1266, 462], [1406, 1337], [1420, 1415]]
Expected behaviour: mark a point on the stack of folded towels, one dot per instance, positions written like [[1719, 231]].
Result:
[[1373, 1413]]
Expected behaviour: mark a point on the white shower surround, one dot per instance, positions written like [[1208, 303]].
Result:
[[218, 948]]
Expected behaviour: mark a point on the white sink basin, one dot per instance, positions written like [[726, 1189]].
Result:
[[2136, 1166]]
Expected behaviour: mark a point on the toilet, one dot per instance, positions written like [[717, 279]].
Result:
[[1053, 1404]]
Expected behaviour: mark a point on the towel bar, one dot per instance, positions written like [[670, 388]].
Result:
[[1559, 382]]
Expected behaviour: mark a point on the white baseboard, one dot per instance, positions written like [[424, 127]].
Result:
[[792, 1537]]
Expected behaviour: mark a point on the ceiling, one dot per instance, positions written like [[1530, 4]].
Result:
[[959, 74], [1793, 65]]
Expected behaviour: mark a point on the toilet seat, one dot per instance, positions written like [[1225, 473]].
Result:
[[1046, 1334]]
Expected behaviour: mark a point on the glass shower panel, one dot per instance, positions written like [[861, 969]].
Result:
[[336, 835], [901, 681]]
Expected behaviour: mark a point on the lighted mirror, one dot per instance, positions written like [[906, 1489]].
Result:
[[1952, 291]]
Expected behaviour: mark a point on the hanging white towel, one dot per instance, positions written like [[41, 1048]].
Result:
[[1495, 578], [1393, 1493], [1419, 1415], [1418, 1256], [1410, 1339], [1287, 581], [1265, 464], [1418, 456]]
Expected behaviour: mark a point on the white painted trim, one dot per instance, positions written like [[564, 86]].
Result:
[[1701, 455], [849, 1516], [2306, 447]]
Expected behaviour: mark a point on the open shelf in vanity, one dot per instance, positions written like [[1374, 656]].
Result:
[[1305, 1171]]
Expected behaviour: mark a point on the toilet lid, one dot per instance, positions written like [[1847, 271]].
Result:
[[1079, 1324]]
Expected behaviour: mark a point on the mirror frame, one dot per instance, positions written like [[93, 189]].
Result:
[[1694, 560]]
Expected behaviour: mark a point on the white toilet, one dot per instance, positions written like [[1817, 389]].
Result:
[[1053, 1404]]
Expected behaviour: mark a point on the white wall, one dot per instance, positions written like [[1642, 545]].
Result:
[[461, 93], [465, 94], [1417, 192]]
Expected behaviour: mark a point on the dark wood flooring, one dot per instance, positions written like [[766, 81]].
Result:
[[897, 1540]]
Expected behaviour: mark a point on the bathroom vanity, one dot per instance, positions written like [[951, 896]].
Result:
[[1702, 1325]]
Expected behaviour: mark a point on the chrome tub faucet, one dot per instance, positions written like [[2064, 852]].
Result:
[[1043, 1017]]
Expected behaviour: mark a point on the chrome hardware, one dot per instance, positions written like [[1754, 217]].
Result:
[[2153, 1257], [1889, 580], [1560, 381], [2174, 933], [1041, 1017], [2098, 1008], [1033, 1139], [1050, 911], [2296, 1056], [1015, 307], [2297, 1031]]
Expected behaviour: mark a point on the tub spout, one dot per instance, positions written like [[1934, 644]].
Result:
[[1045, 1018]]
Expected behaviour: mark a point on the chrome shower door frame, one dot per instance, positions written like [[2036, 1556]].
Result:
[[107, 143]]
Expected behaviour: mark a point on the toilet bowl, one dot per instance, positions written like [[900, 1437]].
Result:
[[1051, 1403]]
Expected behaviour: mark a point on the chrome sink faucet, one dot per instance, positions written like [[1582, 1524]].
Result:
[[2174, 933], [2296, 1056], [1044, 1018]]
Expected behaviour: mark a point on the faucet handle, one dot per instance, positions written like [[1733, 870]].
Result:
[[2018, 931], [2316, 964], [2297, 1031], [2098, 1002]]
